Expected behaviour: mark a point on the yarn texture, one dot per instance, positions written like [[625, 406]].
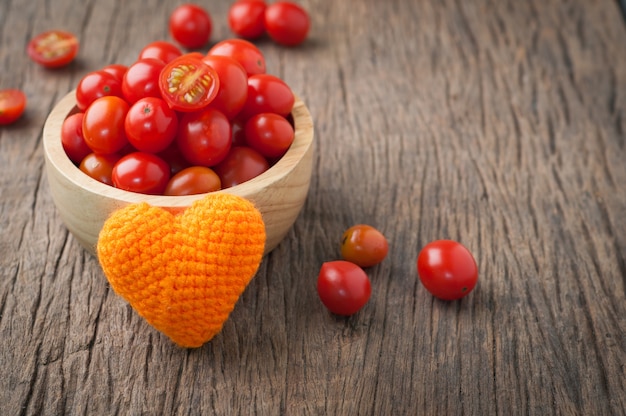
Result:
[[183, 273]]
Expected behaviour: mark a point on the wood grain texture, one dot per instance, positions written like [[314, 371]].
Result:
[[500, 124]]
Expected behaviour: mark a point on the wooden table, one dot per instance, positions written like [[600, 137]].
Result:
[[500, 124]]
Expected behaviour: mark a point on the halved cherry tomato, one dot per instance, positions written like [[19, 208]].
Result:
[[192, 181], [269, 134], [246, 18], [188, 84], [103, 125], [287, 23], [162, 50], [242, 51], [233, 90], [12, 105], [94, 85], [72, 138], [364, 245], [99, 167], [53, 49], [240, 165], [140, 172], [190, 25], [151, 125], [267, 94], [204, 137]]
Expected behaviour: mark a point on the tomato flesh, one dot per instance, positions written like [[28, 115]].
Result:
[[12, 105], [53, 49], [188, 84]]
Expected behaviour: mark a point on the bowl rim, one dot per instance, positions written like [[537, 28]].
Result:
[[55, 155]]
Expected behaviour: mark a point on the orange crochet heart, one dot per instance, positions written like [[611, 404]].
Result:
[[183, 273]]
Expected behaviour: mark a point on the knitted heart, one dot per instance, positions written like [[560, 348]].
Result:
[[183, 273]]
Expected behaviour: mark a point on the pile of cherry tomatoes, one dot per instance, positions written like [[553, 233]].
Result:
[[177, 123]]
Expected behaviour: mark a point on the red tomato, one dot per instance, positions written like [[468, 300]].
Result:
[[343, 287], [142, 80], [12, 105], [364, 245], [117, 70], [242, 51], [53, 49], [447, 269], [241, 164], [287, 23], [246, 18], [188, 84], [72, 138], [103, 125], [192, 181], [233, 90], [190, 25], [151, 125], [204, 137], [162, 50], [267, 94], [269, 134], [140, 172], [94, 85], [99, 167]]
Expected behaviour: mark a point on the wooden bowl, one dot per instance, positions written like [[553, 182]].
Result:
[[84, 204]]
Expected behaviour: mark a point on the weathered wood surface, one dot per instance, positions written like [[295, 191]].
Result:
[[497, 123]]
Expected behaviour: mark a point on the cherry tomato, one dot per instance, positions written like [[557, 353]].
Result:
[[151, 125], [140, 172], [364, 245], [447, 269], [287, 23], [193, 180], [72, 138], [246, 18], [233, 91], [188, 84], [269, 134], [53, 49], [103, 125], [267, 94], [343, 287], [99, 167], [142, 80], [240, 165], [190, 25], [94, 85], [117, 70], [204, 137], [12, 105], [242, 51], [162, 50]]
